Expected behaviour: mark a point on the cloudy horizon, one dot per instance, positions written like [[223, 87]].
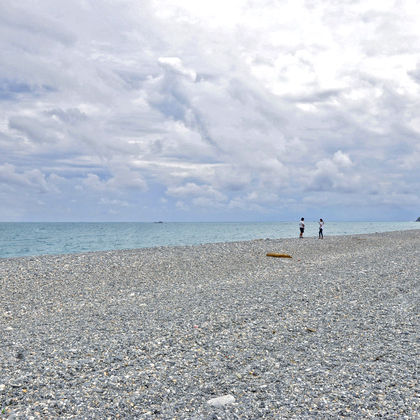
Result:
[[178, 110]]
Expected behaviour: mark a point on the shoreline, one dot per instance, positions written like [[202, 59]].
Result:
[[158, 332], [326, 236], [48, 239]]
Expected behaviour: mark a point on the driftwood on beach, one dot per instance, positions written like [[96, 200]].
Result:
[[215, 330]]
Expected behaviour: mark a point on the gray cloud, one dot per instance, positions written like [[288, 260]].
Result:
[[10, 179], [187, 108]]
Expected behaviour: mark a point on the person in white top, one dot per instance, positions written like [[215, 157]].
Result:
[[321, 229], [301, 227]]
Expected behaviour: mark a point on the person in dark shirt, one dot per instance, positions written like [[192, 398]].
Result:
[[321, 229]]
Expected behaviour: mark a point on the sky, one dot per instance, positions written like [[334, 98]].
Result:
[[185, 110]]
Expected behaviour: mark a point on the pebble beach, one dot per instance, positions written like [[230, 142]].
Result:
[[215, 331]]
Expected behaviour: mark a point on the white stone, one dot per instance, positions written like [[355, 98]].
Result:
[[221, 401]]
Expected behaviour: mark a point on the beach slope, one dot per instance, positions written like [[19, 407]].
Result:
[[159, 333]]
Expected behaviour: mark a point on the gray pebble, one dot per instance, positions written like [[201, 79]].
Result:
[[159, 333]]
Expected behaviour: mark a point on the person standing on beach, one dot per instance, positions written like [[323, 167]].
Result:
[[301, 227], [321, 229]]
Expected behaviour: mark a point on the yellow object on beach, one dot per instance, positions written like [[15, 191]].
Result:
[[274, 254]]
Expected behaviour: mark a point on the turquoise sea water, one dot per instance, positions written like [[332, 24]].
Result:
[[24, 239]]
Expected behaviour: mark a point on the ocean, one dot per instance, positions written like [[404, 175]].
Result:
[[30, 239]]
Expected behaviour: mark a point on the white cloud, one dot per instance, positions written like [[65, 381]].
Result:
[[122, 179], [198, 193], [342, 159], [175, 64]]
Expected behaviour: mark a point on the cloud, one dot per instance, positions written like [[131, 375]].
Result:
[[122, 180], [333, 174], [200, 195], [117, 203], [34, 179], [174, 64], [257, 106], [33, 25], [341, 159]]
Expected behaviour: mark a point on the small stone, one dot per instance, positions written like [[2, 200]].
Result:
[[221, 401]]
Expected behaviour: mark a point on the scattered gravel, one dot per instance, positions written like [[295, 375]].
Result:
[[160, 333]]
